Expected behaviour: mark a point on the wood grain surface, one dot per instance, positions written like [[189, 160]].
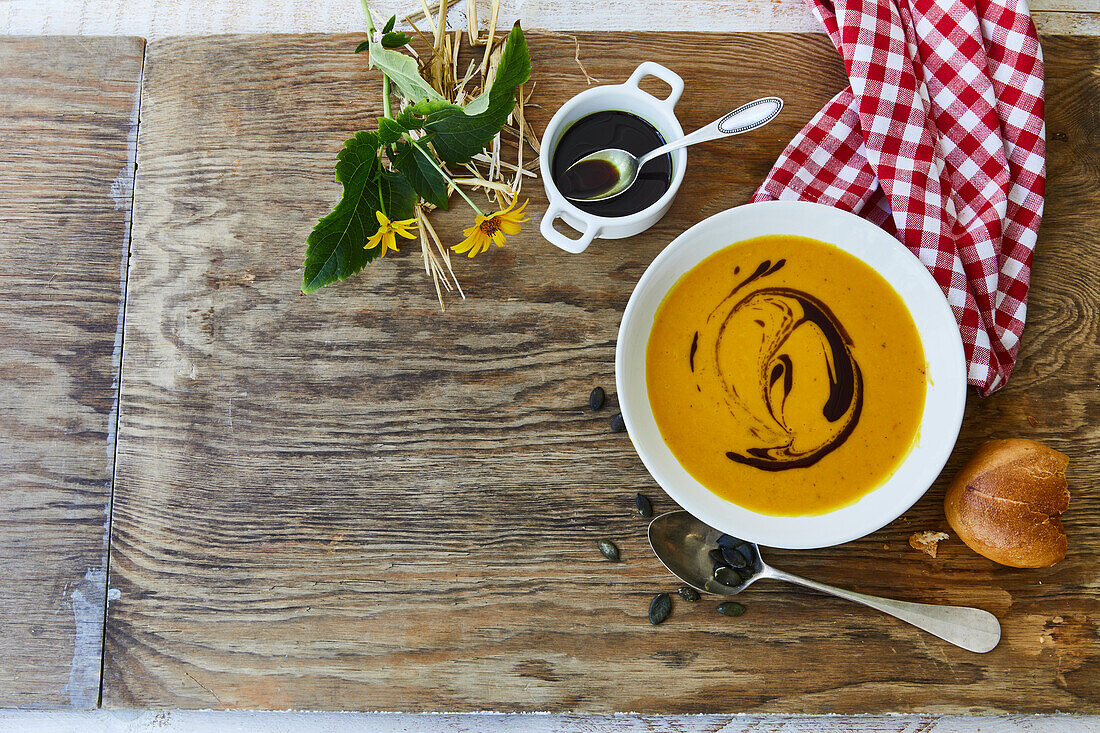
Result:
[[68, 113], [350, 501]]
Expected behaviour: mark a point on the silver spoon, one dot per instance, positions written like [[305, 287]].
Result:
[[624, 167], [682, 542]]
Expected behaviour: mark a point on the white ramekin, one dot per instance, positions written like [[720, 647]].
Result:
[[626, 97]]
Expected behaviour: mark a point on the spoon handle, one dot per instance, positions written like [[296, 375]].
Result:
[[747, 117], [969, 628]]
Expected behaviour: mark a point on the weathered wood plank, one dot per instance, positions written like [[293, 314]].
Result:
[[350, 501], [68, 116]]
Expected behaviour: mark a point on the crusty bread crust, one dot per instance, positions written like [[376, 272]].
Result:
[[1004, 503]]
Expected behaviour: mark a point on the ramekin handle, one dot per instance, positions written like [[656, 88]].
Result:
[[668, 76], [556, 238]]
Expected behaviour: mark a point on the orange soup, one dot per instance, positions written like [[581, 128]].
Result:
[[786, 376]]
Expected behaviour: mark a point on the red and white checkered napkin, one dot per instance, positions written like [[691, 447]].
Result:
[[940, 140]]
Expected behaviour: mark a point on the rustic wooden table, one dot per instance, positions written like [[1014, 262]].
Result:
[[267, 554], [350, 500]]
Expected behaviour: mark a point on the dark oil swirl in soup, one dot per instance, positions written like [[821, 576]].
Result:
[[758, 395]]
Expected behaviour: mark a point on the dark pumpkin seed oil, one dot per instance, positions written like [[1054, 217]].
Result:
[[588, 178], [614, 129]]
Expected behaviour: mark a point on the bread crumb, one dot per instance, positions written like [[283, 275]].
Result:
[[1033, 421], [927, 541]]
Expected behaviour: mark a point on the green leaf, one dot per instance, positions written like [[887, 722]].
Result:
[[365, 45], [394, 197], [421, 173], [459, 135], [515, 63], [334, 249], [429, 107], [395, 40], [514, 69], [409, 120], [389, 24], [389, 131], [403, 72]]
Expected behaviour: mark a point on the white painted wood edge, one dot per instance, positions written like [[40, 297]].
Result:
[[159, 18], [167, 721]]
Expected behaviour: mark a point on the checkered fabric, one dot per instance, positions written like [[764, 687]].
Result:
[[940, 139]]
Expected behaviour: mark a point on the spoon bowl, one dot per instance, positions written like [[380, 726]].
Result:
[[601, 175], [683, 544]]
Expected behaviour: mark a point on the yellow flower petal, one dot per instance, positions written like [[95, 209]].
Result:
[[374, 239], [387, 231], [403, 227], [516, 215], [509, 227], [491, 229], [468, 242]]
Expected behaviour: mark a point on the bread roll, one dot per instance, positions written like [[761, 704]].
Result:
[[1004, 503]]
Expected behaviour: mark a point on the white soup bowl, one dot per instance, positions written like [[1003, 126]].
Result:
[[944, 401]]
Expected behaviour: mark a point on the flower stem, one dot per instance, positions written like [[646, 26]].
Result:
[[370, 20], [387, 110], [431, 160]]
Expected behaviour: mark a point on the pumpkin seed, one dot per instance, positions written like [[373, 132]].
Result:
[[659, 608], [731, 608], [726, 540], [689, 594], [643, 506], [727, 576], [618, 424], [716, 557], [734, 558], [609, 550], [595, 400]]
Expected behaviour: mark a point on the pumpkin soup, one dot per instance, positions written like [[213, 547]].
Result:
[[786, 375]]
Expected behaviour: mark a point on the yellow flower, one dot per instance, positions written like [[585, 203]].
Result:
[[491, 229], [387, 233]]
